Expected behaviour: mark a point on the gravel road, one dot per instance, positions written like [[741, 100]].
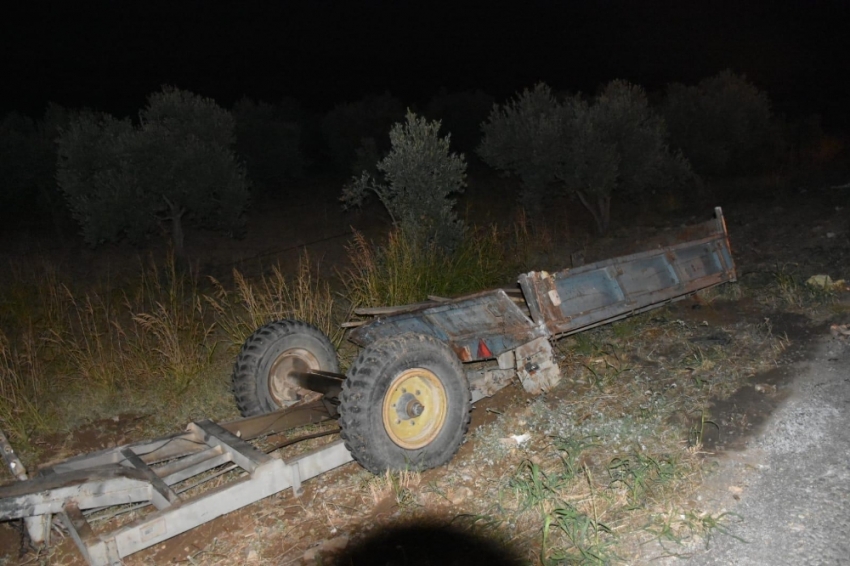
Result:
[[790, 486]]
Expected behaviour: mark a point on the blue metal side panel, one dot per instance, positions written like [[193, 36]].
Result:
[[461, 323], [571, 300], [698, 262], [587, 291], [646, 275]]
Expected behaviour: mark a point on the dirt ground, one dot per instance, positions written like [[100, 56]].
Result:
[[347, 514]]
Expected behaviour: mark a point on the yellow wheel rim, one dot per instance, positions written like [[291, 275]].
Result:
[[414, 410]]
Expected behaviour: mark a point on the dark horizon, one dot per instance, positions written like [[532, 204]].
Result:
[[110, 55]]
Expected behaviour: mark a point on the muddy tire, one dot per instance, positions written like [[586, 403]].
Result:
[[268, 355], [405, 404]]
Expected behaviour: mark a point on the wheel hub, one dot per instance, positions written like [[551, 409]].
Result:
[[280, 387], [414, 408]]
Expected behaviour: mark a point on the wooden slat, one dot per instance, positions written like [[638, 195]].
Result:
[[162, 496], [242, 453]]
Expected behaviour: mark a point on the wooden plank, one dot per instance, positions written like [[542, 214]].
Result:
[[281, 420], [113, 485], [198, 468], [96, 551], [268, 478], [383, 311], [166, 471], [156, 527], [242, 453], [162, 496]]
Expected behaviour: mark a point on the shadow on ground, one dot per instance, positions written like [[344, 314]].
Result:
[[437, 545], [741, 416]]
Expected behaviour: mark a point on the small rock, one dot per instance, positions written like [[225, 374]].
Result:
[[253, 556], [459, 495], [335, 544]]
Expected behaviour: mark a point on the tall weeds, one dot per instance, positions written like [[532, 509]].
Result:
[[22, 390], [64, 352], [402, 270], [171, 324], [239, 312]]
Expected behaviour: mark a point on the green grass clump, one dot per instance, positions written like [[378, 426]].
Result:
[[403, 270]]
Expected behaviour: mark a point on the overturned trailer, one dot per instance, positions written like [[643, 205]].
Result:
[[405, 402]]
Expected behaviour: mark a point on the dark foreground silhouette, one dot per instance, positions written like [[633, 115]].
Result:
[[441, 545]]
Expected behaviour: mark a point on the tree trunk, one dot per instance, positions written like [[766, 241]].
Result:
[[600, 210], [177, 228], [604, 204]]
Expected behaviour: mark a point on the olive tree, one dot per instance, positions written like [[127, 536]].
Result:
[[420, 178], [21, 167], [28, 167], [723, 125], [525, 136], [350, 126], [616, 144], [593, 149], [461, 113], [176, 167], [268, 140]]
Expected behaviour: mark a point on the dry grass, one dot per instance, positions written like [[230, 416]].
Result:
[[22, 393], [143, 344], [613, 454], [277, 296], [400, 271]]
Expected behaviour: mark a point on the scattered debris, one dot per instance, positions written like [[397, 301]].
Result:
[[840, 330], [330, 546], [520, 439], [826, 282]]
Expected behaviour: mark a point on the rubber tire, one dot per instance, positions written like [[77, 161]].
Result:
[[250, 378], [368, 382]]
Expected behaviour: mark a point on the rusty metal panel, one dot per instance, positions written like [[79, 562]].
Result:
[[464, 323], [573, 299]]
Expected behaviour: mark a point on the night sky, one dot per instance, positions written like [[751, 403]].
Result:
[[110, 55]]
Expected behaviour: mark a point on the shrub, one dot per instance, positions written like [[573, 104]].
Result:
[[347, 125], [275, 296], [421, 178], [178, 165], [723, 125], [268, 139], [401, 271]]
